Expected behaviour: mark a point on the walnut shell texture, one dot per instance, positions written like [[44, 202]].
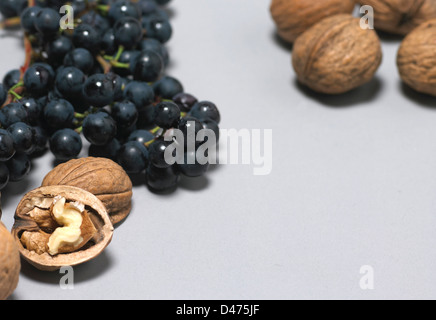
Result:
[[400, 16], [293, 17], [102, 177], [416, 58], [336, 55], [10, 264], [42, 199]]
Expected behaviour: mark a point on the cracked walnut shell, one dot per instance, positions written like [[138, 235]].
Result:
[[102, 177], [293, 17], [416, 58], [336, 55], [400, 16], [78, 235]]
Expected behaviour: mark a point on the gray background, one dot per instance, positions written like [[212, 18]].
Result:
[[353, 183]]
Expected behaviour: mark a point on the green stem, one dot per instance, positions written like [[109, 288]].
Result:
[[79, 130], [103, 7], [119, 53], [80, 115], [18, 85], [16, 95], [120, 65], [155, 130]]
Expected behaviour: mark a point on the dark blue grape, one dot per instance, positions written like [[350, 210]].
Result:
[[65, 144], [98, 90], [156, 46], [4, 176], [33, 109], [127, 32], [46, 66], [125, 114], [145, 116], [28, 17], [120, 85], [127, 57], [69, 82], [159, 29], [157, 154], [40, 139], [213, 126], [133, 157], [109, 150], [185, 101], [80, 58], [206, 110], [97, 21], [86, 36], [37, 80], [162, 179], [141, 136], [7, 149], [124, 8], [166, 115], [12, 8], [13, 113], [99, 128], [108, 45], [191, 167], [157, 14], [11, 78], [23, 136], [58, 49], [162, 2], [167, 87], [190, 128], [148, 6], [19, 167], [47, 21], [79, 6], [147, 67], [140, 93], [3, 94], [58, 114]]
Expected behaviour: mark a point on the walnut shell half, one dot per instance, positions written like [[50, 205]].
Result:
[[38, 203], [400, 16], [336, 55], [416, 58], [102, 177], [293, 17]]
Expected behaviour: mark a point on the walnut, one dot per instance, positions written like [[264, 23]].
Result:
[[293, 17], [102, 177], [400, 16], [416, 58], [58, 226], [9, 263], [336, 55]]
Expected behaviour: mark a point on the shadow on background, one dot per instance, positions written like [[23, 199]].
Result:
[[84, 272], [421, 99], [363, 94]]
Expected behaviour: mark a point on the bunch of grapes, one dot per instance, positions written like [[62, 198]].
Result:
[[103, 78]]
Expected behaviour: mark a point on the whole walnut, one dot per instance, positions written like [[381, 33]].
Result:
[[336, 55], [10, 264], [102, 177], [400, 16], [416, 58], [293, 17]]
